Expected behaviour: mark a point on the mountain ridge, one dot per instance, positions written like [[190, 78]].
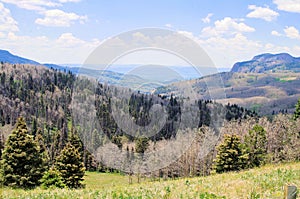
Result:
[[268, 62], [6, 56]]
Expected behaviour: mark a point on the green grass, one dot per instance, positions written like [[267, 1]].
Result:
[[286, 79], [95, 180], [265, 182]]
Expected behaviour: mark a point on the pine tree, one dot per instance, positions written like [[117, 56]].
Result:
[[56, 146], [256, 145], [70, 165], [297, 110], [231, 155], [76, 142], [21, 161], [141, 144], [43, 150], [88, 159]]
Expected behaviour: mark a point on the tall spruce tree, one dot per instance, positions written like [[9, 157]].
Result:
[[71, 167], [231, 155], [88, 158], [43, 150], [256, 146], [22, 164]]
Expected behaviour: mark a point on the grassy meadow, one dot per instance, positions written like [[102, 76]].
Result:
[[265, 182]]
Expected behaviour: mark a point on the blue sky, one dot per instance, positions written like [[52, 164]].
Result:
[[67, 31]]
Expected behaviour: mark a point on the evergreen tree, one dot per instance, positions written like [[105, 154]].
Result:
[[256, 145], [56, 146], [88, 159], [297, 110], [141, 144], [51, 179], [42, 149], [231, 155], [76, 142], [70, 165], [21, 160]]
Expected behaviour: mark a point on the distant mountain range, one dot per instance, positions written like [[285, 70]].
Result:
[[268, 62], [7, 57], [144, 78], [258, 64]]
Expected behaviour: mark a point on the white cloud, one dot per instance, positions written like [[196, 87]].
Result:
[[71, 1], [51, 16], [207, 18], [292, 32], [226, 26], [7, 23], [73, 49], [187, 34], [59, 18], [275, 33], [168, 25], [262, 13], [288, 5], [37, 5], [69, 40], [226, 51]]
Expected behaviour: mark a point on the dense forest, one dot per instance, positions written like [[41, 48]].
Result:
[[61, 110]]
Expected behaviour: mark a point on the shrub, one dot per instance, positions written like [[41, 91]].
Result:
[[52, 179]]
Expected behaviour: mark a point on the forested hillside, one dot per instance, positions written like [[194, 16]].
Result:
[[43, 97]]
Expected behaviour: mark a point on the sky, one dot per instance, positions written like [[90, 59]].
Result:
[[67, 31]]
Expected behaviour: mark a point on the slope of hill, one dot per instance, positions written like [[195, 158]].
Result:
[[266, 182], [7, 57], [266, 93], [268, 62], [268, 84]]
